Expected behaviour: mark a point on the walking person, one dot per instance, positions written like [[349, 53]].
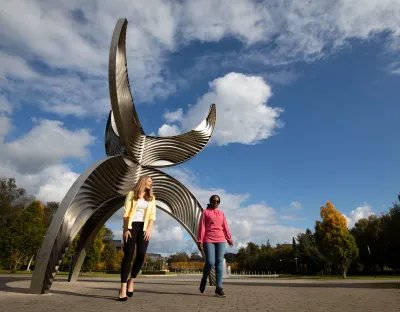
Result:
[[138, 217], [213, 233]]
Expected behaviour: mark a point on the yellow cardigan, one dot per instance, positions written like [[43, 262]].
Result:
[[130, 209]]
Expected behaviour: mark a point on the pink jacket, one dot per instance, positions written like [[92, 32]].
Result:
[[213, 227]]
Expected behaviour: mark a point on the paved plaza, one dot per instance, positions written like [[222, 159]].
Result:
[[180, 293]]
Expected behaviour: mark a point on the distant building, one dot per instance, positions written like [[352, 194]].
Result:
[[154, 257], [119, 245]]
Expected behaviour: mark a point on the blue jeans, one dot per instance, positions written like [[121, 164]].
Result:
[[214, 256]]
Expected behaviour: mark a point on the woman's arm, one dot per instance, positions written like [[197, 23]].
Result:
[[126, 215], [152, 216], [128, 205], [152, 219], [227, 234], [147, 233], [202, 229]]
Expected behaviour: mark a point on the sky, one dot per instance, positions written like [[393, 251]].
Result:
[[307, 96]]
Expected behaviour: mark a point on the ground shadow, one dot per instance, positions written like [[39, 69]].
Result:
[[182, 283], [7, 279], [147, 291], [71, 293], [4, 280]]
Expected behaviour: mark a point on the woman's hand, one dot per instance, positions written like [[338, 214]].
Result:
[[230, 244], [147, 234], [200, 245], [127, 234]]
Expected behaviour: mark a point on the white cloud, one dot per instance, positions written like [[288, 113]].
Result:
[[292, 218], [15, 67], [167, 235], [54, 182], [394, 67], [243, 115], [37, 36], [47, 143], [361, 212], [296, 205], [5, 126], [211, 21], [255, 222], [73, 77], [168, 130], [257, 213], [49, 184], [5, 106], [300, 30], [173, 116], [36, 159], [293, 209]]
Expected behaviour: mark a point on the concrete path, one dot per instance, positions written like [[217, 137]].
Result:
[[181, 294]]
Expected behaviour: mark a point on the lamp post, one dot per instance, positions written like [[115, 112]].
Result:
[[297, 269], [280, 261]]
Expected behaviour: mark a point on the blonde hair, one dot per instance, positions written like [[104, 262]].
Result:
[[141, 187]]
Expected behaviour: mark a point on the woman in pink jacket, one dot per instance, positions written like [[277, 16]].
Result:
[[212, 235]]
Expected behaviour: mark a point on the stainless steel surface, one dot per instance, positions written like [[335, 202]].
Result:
[[100, 191]]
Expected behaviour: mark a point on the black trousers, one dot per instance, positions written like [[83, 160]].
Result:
[[129, 249]]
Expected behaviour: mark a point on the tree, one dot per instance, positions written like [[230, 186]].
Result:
[[390, 224], [49, 212], [334, 239], [310, 256], [67, 259], [295, 249], [195, 256], [179, 257], [369, 236], [108, 235], [25, 235], [93, 256], [109, 252], [12, 201], [118, 260], [230, 257]]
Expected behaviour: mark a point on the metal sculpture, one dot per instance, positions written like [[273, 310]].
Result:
[[100, 191]]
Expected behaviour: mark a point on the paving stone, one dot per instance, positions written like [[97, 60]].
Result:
[[182, 294]]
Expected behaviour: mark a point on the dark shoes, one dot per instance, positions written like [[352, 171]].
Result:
[[123, 298], [129, 293], [203, 285], [219, 292]]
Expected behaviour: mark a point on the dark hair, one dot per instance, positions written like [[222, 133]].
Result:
[[219, 198]]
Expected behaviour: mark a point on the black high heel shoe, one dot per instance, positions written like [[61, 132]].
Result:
[[123, 298], [129, 293]]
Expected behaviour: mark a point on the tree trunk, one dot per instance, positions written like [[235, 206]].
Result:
[[29, 264], [16, 262], [344, 273]]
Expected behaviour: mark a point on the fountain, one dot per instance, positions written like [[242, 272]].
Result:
[[226, 270]]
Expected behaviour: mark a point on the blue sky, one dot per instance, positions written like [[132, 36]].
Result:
[[307, 103]]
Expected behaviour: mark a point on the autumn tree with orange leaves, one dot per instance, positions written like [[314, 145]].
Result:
[[334, 239]]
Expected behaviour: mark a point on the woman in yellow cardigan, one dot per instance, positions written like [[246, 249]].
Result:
[[139, 216]]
